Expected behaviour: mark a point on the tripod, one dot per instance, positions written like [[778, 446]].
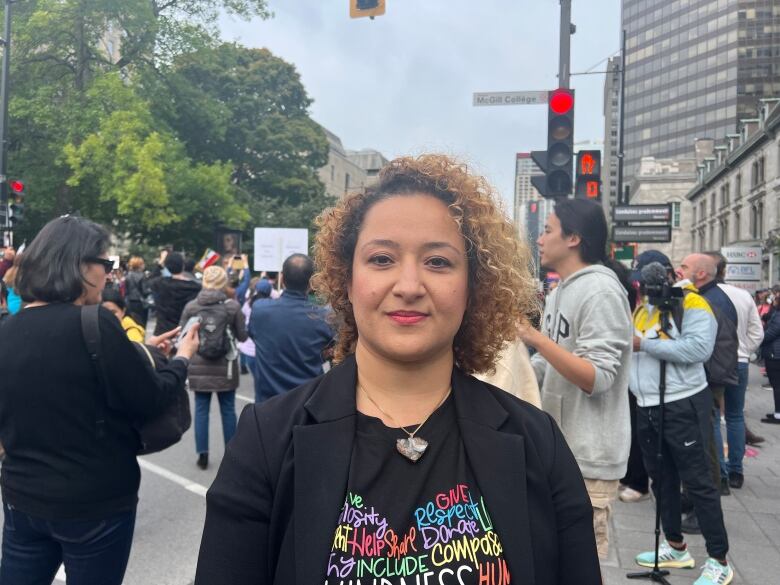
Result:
[[658, 575]]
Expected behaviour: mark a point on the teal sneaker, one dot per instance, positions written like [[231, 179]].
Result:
[[668, 558], [713, 573]]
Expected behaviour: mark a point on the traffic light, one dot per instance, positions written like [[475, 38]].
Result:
[[556, 161], [16, 208], [361, 8], [588, 175]]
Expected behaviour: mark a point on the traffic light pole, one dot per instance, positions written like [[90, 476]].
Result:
[[6, 44], [564, 67]]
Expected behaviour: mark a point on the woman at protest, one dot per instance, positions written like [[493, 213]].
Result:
[[398, 465], [215, 367], [70, 477]]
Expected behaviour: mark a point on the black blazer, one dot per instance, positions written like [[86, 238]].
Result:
[[273, 508]]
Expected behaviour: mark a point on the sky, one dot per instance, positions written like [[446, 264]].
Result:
[[403, 82]]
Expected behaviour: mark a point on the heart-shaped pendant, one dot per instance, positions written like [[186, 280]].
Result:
[[412, 448]]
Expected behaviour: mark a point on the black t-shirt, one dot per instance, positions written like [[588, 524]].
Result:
[[405, 523]]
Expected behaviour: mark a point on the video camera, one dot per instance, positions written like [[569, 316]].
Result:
[[660, 292]]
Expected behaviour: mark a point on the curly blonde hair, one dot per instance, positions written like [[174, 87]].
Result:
[[501, 288]]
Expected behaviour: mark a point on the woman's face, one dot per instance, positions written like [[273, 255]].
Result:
[[409, 286], [95, 281]]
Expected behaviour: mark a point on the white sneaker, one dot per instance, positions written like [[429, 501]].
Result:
[[630, 495], [713, 573]]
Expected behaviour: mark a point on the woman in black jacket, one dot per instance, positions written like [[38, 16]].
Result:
[[770, 351], [398, 466], [70, 477]]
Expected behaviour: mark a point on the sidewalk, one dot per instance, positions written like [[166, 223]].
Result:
[[752, 514]]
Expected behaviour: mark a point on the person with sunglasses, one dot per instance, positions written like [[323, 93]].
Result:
[[70, 477]]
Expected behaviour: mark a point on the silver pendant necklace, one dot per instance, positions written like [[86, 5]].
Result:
[[412, 447]]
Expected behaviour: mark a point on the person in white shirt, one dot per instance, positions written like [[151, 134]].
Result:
[[750, 332]]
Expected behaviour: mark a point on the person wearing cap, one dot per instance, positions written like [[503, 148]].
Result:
[[220, 375]]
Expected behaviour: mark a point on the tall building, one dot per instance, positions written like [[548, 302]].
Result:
[[349, 170], [525, 168], [609, 162], [694, 68]]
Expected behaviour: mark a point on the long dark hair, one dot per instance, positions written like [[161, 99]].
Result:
[[50, 270], [585, 219]]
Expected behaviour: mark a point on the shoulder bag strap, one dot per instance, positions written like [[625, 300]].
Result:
[[90, 329]]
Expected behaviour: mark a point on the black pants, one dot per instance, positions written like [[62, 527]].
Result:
[[773, 372], [636, 475], [687, 432]]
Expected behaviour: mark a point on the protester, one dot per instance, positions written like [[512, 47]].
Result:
[[290, 333], [584, 352], [635, 485], [137, 291], [70, 488], [261, 289], [687, 431], [428, 280], [113, 301], [770, 351], [172, 293], [13, 299], [722, 369], [7, 255], [750, 333], [215, 367]]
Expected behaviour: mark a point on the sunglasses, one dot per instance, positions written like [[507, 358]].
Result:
[[108, 265]]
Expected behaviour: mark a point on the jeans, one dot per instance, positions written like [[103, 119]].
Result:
[[94, 552], [227, 409], [686, 437], [734, 407], [249, 362]]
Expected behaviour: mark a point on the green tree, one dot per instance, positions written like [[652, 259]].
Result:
[[62, 50], [248, 107]]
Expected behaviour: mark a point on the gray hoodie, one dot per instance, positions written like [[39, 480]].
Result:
[[588, 315]]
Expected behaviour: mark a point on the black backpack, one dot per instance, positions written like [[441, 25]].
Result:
[[721, 368], [157, 434], [214, 332]]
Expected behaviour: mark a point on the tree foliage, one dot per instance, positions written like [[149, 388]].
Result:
[[133, 113]]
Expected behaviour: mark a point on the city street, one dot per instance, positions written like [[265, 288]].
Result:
[[752, 513], [172, 508]]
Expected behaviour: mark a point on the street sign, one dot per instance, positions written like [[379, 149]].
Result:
[[743, 272], [656, 213], [645, 233], [742, 255], [510, 98]]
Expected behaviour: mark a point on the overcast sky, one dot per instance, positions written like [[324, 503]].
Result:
[[403, 82]]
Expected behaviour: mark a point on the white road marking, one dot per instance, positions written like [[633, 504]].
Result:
[[187, 484], [60, 576], [244, 398]]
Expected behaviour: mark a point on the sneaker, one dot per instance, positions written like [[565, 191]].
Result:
[[630, 495], [203, 460], [766, 386], [668, 558], [713, 573]]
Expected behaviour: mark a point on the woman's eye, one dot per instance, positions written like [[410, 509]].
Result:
[[381, 260], [439, 262]]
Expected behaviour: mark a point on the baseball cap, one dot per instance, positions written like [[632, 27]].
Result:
[[648, 257]]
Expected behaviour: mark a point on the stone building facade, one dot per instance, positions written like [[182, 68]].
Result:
[[735, 202], [348, 171], [667, 181]]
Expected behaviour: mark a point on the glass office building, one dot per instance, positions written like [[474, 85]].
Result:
[[694, 68]]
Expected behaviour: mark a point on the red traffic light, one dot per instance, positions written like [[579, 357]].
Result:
[[16, 186], [561, 101]]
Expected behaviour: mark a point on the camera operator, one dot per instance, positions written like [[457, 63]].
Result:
[[684, 346]]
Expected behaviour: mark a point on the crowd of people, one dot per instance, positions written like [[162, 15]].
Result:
[[390, 390]]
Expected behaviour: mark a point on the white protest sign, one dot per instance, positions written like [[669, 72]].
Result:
[[274, 245]]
